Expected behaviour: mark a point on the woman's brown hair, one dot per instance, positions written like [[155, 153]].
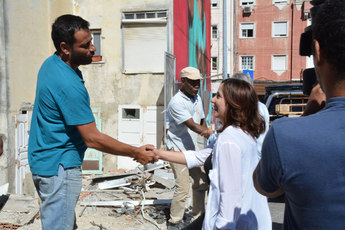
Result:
[[242, 107]]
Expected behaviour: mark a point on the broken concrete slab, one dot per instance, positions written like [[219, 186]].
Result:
[[165, 178], [112, 177], [115, 183], [19, 210]]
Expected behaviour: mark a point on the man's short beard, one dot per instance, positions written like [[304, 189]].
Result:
[[78, 59]]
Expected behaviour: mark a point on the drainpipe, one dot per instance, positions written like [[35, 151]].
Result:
[[292, 33], [225, 53]]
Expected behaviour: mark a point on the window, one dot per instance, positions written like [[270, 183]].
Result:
[[247, 2], [214, 63], [247, 63], [214, 31], [144, 37], [246, 30], [279, 62], [143, 15], [280, 1], [214, 3], [96, 41], [279, 29], [130, 113]]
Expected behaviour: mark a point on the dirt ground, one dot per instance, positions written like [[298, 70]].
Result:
[[104, 218]]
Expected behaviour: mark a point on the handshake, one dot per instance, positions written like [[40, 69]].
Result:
[[149, 154], [146, 154]]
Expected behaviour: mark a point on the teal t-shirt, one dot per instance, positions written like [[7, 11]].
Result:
[[61, 103]]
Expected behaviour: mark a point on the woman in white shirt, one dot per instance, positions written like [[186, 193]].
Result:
[[233, 202]]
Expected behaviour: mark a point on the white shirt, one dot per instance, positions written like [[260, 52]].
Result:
[[233, 202], [264, 113], [180, 109]]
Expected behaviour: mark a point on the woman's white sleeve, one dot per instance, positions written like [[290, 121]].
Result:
[[196, 158]]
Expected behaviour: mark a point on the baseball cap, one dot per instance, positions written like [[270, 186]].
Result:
[[191, 73]]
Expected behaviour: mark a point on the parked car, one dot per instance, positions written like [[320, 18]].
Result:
[[285, 100]]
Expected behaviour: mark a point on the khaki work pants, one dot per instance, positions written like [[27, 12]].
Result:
[[182, 183]]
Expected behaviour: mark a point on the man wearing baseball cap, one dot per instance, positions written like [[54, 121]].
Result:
[[186, 121]]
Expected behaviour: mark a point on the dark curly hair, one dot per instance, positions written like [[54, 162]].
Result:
[[242, 107], [328, 28], [64, 27]]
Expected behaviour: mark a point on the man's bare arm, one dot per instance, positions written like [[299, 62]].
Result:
[[104, 143], [275, 194], [199, 128]]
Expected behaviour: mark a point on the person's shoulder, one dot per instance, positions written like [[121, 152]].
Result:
[[53, 65], [234, 134], [48, 62], [177, 99], [262, 107], [292, 126]]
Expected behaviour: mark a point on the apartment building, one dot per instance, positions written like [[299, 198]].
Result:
[[265, 41]]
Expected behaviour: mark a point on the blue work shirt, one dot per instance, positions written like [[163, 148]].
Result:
[[61, 103]]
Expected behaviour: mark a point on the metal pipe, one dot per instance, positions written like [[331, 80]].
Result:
[[292, 33], [225, 53]]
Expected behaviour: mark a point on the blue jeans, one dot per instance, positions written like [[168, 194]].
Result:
[[59, 195]]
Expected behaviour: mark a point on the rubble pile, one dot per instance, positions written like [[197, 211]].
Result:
[[135, 199]]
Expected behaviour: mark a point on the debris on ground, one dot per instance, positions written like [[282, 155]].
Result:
[[135, 199], [18, 211]]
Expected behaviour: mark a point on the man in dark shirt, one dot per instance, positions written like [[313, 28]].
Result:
[[304, 157]]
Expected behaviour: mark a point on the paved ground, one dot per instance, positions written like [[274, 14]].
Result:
[[277, 214]]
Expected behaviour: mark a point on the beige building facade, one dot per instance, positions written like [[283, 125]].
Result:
[[125, 80]]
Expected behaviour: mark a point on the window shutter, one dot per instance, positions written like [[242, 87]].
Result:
[[247, 26], [279, 62], [144, 47], [280, 29]]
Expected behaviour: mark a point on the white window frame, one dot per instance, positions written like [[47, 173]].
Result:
[[214, 3], [212, 34], [281, 2], [241, 61], [242, 25], [274, 34], [247, 3], [98, 45], [212, 60], [274, 62]]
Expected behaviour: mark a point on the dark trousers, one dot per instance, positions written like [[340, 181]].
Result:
[[196, 224]]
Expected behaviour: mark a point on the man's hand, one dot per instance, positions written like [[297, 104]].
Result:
[[145, 155], [207, 132], [316, 101]]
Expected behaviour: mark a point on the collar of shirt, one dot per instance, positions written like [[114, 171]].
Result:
[[194, 99]]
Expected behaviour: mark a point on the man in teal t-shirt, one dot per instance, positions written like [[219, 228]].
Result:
[[63, 126]]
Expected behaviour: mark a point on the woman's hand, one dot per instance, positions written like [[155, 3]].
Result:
[[157, 152]]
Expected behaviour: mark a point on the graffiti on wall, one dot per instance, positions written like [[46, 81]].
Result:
[[192, 36]]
